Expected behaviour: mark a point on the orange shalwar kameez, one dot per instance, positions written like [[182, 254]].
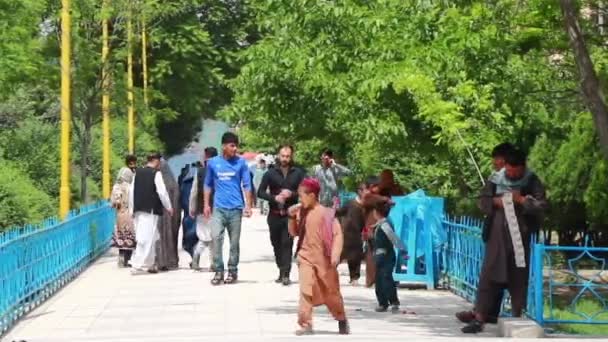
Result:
[[319, 280]]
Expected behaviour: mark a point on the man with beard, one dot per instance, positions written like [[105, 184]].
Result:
[[514, 202], [279, 187]]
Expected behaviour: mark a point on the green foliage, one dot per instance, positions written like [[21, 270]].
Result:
[[416, 86], [33, 147], [194, 45], [19, 48], [21, 202]]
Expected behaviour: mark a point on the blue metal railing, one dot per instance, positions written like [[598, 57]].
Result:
[[462, 256], [36, 261], [560, 293]]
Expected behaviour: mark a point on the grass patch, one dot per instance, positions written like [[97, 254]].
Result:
[[583, 306]]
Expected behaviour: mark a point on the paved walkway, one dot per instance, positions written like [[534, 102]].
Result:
[[108, 304]]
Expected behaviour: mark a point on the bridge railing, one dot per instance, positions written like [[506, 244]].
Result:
[[568, 285], [462, 256], [36, 261]]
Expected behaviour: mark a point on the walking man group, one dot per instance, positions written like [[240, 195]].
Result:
[[513, 201]]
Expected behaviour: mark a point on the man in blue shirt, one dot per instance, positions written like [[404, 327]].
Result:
[[228, 178]]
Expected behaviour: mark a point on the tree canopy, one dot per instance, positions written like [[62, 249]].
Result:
[[421, 86], [426, 88]]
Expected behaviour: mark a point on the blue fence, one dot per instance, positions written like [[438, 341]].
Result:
[[462, 256], [36, 261], [568, 285]]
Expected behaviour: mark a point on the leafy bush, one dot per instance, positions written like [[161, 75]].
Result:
[[21, 201]]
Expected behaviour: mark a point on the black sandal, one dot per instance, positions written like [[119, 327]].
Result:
[[473, 327], [231, 278], [218, 278]]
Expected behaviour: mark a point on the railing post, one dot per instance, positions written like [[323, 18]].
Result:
[[537, 268]]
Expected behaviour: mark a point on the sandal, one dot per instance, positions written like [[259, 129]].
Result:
[[231, 278], [218, 278], [465, 316], [473, 327]]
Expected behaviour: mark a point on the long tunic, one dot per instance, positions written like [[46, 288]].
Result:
[[352, 221], [499, 256], [124, 234], [167, 257], [146, 226], [319, 280]]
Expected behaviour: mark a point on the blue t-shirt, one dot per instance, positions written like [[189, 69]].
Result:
[[228, 178]]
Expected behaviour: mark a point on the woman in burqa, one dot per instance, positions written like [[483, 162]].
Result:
[[166, 247]]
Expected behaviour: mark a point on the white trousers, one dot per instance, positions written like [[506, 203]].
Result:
[[202, 250], [203, 228], [146, 231]]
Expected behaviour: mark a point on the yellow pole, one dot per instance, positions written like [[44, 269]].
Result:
[[64, 190], [131, 109], [105, 102], [144, 57]]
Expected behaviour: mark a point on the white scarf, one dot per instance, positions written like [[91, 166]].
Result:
[[518, 246]]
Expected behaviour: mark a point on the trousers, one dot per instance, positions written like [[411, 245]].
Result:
[[489, 293], [282, 242], [386, 291], [222, 220]]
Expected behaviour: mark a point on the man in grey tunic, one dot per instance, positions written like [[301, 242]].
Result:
[[514, 200], [329, 173]]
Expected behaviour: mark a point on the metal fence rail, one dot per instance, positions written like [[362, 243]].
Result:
[[36, 261], [568, 285], [462, 256]]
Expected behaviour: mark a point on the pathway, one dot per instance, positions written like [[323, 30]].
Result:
[[108, 304]]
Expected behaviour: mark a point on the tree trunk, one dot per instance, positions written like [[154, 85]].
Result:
[[84, 161], [590, 85]]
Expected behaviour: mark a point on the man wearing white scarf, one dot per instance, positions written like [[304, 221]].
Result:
[[514, 200]]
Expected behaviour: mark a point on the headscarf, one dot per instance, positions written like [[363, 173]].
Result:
[[125, 175]]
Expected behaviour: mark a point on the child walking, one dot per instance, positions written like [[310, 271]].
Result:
[[384, 243]]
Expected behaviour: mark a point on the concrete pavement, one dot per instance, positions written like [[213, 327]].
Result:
[[108, 304]]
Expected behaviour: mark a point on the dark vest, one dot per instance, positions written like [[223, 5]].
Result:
[[201, 173], [145, 197]]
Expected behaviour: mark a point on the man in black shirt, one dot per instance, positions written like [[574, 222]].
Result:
[[279, 187]]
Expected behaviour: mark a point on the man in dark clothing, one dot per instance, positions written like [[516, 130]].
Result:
[[279, 186], [514, 200], [499, 153], [353, 220]]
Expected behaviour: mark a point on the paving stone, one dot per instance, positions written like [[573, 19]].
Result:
[[519, 328]]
